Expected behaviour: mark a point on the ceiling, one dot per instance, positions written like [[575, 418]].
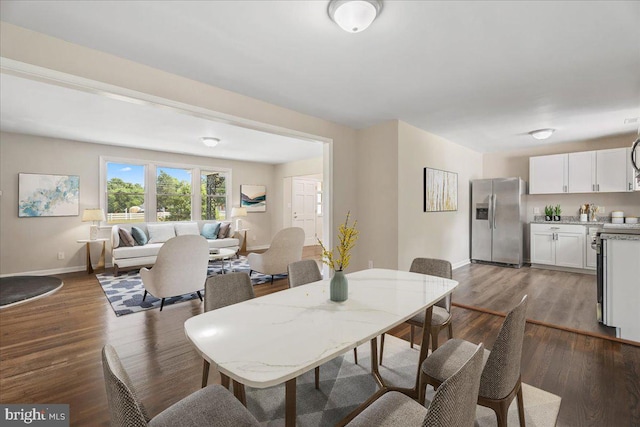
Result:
[[481, 74]]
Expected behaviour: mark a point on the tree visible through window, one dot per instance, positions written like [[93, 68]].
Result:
[[125, 193], [173, 190], [213, 189]]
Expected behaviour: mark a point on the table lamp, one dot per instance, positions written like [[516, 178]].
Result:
[[237, 213], [95, 215]]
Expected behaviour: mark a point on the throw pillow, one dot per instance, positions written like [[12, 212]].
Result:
[[160, 233], [126, 239], [210, 230], [183, 228], [224, 230], [139, 236]]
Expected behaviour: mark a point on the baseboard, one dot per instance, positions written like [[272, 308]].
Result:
[[48, 272], [461, 263], [565, 269]]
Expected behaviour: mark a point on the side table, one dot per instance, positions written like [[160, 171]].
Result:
[[243, 248], [101, 262]]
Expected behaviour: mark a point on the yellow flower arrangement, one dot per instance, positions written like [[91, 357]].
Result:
[[347, 237]]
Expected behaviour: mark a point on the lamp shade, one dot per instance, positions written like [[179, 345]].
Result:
[[94, 214], [237, 212]]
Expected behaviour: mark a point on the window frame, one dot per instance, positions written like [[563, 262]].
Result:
[[150, 189]]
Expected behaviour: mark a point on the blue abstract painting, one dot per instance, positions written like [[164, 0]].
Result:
[[48, 195], [253, 197]]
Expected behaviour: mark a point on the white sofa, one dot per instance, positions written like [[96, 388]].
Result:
[[140, 256]]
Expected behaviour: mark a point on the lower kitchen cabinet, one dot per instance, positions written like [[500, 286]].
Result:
[[559, 245]]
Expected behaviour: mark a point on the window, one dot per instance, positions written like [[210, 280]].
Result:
[[140, 190], [213, 189], [125, 193], [173, 194]]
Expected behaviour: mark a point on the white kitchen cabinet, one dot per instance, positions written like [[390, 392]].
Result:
[[611, 170], [582, 172], [559, 245], [548, 174]]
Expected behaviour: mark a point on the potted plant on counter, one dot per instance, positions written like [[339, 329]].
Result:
[[548, 213], [556, 213]]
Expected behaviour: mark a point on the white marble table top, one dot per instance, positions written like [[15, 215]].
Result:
[[272, 339]]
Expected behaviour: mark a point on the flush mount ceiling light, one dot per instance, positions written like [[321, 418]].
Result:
[[542, 133], [354, 16], [210, 141]]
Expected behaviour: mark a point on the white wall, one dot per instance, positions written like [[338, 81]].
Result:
[[442, 235], [32, 244]]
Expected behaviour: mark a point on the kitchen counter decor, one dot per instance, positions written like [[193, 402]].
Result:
[[347, 236]]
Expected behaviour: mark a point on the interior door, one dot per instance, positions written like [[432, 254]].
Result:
[[303, 207]]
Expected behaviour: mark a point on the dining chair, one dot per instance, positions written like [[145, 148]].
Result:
[[441, 312], [220, 291], [301, 273], [454, 403], [500, 381], [180, 268], [210, 406], [285, 248]]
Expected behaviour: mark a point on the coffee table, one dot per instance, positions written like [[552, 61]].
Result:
[[223, 255]]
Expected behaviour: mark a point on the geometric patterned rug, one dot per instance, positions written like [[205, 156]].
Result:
[[125, 291], [345, 385]]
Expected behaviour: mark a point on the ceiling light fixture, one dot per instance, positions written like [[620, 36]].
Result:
[[210, 141], [542, 133], [354, 16]]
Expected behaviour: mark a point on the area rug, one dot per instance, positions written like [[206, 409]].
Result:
[[345, 385], [125, 291], [19, 289]]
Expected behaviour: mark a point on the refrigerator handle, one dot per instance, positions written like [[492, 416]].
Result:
[[490, 211], [493, 209]]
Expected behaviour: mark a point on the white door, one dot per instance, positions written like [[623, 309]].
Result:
[[582, 172], [543, 248], [303, 208], [570, 250], [612, 170], [548, 174]]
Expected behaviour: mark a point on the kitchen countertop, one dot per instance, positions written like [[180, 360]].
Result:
[[616, 236]]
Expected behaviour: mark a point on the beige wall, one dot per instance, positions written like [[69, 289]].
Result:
[[32, 244], [377, 197], [432, 234], [48, 52]]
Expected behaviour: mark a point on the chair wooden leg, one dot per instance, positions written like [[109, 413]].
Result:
[[435, 331], [200, 296], [272, 279], [205, 374], [355, 355], [381, 347], [520, 406], [239, 393], [145, 295], [161, 304], [317, 372], [411, 334]]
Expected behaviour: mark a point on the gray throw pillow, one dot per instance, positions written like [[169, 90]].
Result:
[[139, 236], [224, 230], [210, 230], [126, 239]]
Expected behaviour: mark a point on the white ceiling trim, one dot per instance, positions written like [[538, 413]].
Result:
[[45, 75]]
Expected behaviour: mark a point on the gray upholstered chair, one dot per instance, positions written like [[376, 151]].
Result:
[[301, 273], [285, 248], [180, 268], [441, 313], [500, 381], [220, 291], [210, 406], [454, 403]]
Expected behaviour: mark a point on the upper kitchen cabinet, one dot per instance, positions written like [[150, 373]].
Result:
[[548, 174], [601, 171]]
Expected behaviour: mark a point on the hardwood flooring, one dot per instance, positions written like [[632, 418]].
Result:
[[50, 353]]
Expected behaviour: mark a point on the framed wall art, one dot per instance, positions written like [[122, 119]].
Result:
[[440, 190], [253, 197], [48, 195]]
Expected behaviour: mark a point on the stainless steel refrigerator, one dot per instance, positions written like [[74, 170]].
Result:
[[497, 220]]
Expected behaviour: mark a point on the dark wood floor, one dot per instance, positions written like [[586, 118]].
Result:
[[50, 353]]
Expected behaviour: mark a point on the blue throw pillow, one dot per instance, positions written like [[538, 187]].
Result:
[[210, 231], [139, 236]]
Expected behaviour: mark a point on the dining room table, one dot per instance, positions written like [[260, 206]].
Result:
[[275, 338]]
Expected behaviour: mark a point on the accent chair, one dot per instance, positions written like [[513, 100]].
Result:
[[286, 247]]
